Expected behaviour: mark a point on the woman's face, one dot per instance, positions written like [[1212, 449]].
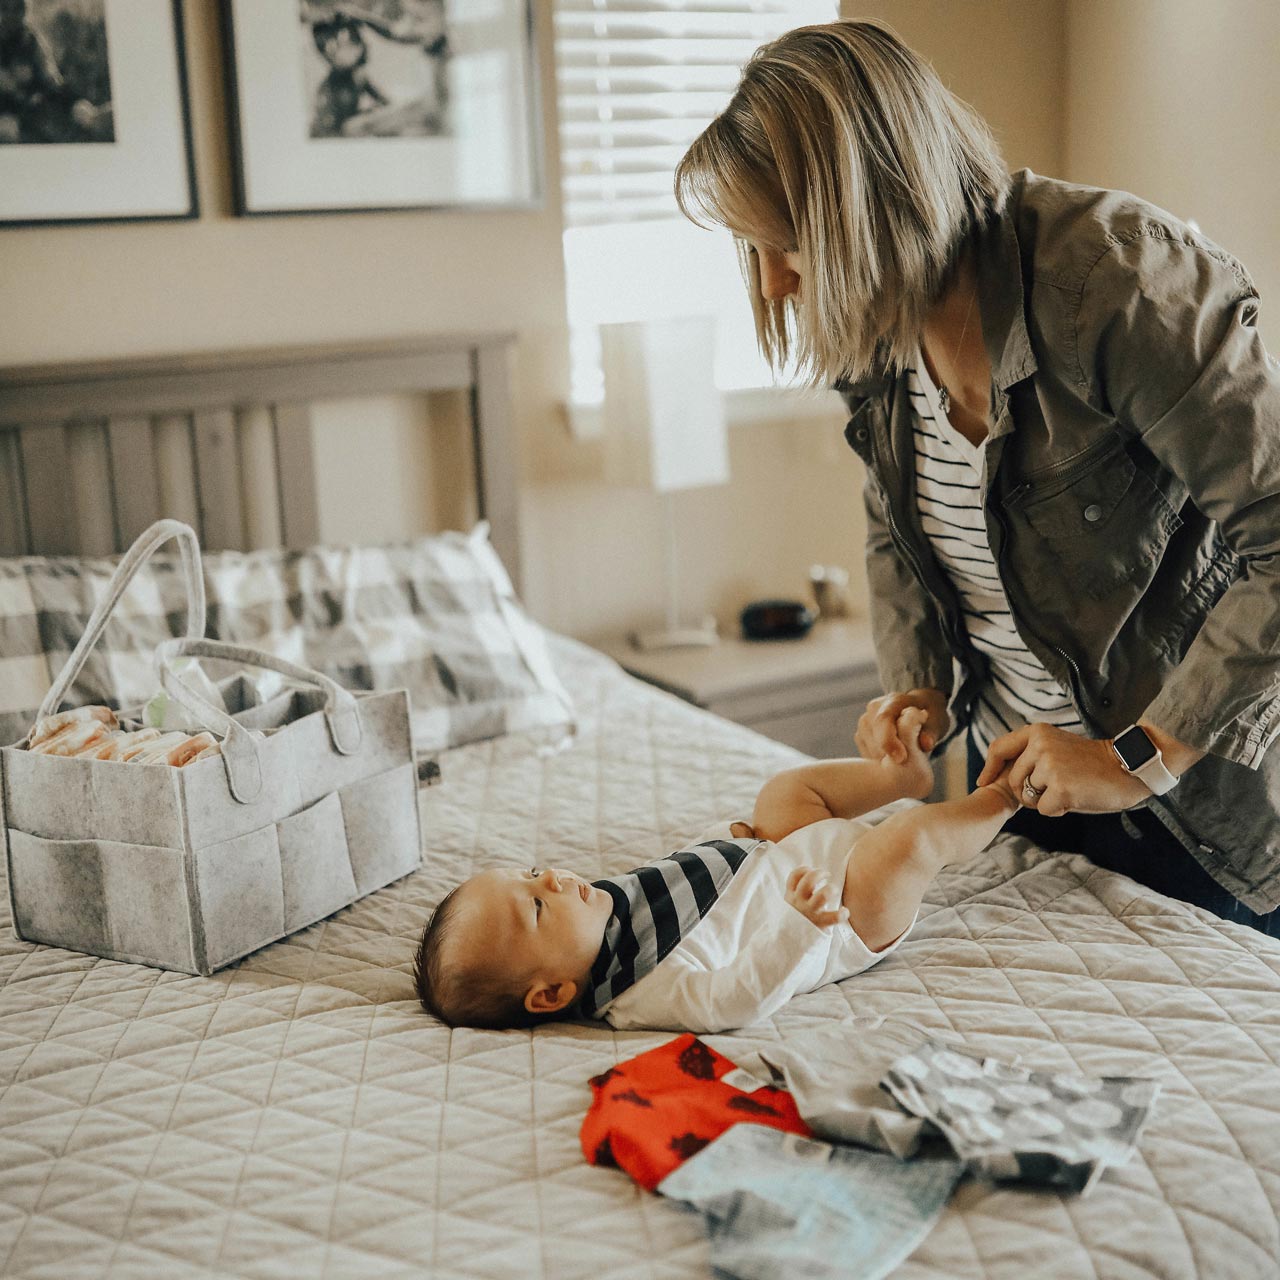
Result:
[[779, 273]]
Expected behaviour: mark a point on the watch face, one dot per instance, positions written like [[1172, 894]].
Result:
[[1134, 748]]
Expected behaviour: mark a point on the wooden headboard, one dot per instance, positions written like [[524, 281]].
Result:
[[91, 453]]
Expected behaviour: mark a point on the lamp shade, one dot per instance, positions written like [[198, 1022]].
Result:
[[664, 424]]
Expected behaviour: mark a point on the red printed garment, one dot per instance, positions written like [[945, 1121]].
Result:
[[653, 1112]]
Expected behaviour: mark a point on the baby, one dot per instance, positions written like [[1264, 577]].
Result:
[[701, 940]]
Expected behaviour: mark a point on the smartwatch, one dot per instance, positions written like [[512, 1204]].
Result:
[[1141, 757]]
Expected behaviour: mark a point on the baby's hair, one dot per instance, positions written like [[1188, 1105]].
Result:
[[474, 996]]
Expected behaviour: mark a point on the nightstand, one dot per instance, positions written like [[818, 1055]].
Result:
[[807, 693]]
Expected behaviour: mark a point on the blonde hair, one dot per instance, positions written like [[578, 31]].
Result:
[[843, 145]]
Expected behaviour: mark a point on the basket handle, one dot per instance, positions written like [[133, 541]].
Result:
[[239, 746], [142, 550]]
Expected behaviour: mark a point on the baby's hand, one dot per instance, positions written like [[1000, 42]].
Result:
[[816, 897], [915, 777]]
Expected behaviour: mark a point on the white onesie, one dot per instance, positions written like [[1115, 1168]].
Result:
[[752, 952]]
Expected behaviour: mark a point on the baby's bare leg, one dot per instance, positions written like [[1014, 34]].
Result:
[[891, 866], [842, 788]]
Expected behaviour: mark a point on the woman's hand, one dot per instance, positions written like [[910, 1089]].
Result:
[[878, 735], [1056, 772], [816, 897]]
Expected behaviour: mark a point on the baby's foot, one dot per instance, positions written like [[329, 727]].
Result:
[[916, 774]]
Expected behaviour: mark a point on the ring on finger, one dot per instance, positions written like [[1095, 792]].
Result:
[[1031, 791]]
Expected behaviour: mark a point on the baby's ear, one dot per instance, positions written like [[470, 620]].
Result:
[[550, 997]]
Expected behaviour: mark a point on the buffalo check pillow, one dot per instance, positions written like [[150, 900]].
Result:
[[437, 616]]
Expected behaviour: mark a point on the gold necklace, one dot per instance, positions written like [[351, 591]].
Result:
[[944, 396]]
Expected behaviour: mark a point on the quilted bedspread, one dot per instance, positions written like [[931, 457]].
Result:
[[297, 1115]]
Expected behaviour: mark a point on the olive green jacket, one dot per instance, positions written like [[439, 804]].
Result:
[[1132, 499]]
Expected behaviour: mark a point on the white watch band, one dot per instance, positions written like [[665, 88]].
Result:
[[1156, 776], [1154, 773]]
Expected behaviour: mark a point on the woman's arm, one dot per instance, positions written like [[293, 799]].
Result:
[[1167, 338], [1070, 773]]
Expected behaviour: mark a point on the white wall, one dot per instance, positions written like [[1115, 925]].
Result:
[[796, 492], [1178, 101], [593, 553]]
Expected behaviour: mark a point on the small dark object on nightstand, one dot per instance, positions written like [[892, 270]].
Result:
[[776, 620]]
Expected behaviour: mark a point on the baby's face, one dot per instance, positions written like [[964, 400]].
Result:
[[538, 921]]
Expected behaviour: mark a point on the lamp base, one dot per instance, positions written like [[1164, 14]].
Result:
[[700, 635]]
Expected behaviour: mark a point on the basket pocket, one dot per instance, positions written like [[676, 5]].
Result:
[[241, 897], [315, 867], [381, 819], [257, 887], [123, 901]]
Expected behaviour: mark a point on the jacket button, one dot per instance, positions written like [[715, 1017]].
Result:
[[1106, 702], [1093, 513], [861, 433]]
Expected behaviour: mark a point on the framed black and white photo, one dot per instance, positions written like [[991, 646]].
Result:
[[94, 120], [381, 104]]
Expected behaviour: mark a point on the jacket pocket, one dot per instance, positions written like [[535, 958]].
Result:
[[1103, 518]]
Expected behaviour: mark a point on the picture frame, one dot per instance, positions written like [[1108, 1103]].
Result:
[[382, 105], [95, 116]]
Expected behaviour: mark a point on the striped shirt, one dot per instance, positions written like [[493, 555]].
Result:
[[949, 484], [654, 908]]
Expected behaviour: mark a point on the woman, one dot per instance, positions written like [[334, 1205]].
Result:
[[1071, 432]]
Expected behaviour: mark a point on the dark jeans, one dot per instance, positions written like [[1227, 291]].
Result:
[[1152, 857]]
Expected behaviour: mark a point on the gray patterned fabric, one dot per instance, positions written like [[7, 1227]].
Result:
[[834, 1075], [778, 1205], [1054, 1128], [436, 616], [297, 1114]]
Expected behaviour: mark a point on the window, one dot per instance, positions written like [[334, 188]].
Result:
[[637, 81]]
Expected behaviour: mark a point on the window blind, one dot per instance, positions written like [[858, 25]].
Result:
[[638, 80]]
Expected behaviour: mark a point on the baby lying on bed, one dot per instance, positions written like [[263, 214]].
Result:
[[723, 933]]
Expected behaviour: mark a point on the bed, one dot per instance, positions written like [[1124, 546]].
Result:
[[296, 1114]]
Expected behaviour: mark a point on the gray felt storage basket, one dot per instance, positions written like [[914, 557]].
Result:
[[311, 805]]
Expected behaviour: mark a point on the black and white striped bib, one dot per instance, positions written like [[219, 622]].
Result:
[[655, 906]]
